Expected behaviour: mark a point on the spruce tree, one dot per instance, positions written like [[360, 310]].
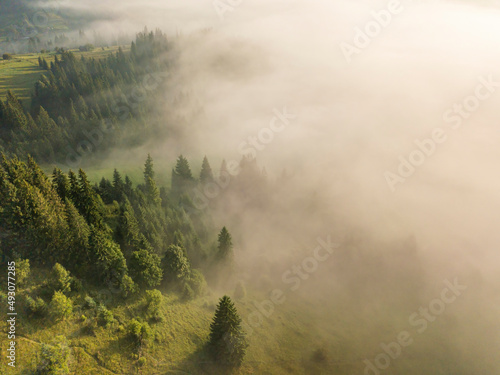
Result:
[[61, 183], [151, 190], [227, 342], [225, 246], [118, 186], [206, 174], [182, 178]]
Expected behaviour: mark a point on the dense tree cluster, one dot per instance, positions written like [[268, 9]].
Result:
[[107, 233], [78, 100]]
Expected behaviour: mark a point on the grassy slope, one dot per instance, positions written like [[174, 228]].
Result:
[[283, 343]]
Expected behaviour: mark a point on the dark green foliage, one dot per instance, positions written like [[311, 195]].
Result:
[[78, 238], [88, 202], [106, 257], [32, 211], [227, 342], [145, 268], [7, 56], [176, 264]]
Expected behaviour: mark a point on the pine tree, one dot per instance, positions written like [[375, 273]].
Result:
[[106, 257], [206, 174], [151, 190], [74, 191], [61, 183], [182, 178], [182, 168], [78, 238], [118, 186], [227, 342], [225, 247], [88, 202]]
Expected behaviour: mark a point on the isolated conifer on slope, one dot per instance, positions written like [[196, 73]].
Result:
[[227, 343]]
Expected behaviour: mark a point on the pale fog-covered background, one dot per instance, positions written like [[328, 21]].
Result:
[[353, 122]]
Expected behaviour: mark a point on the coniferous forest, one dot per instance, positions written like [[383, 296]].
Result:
[[266, 187]]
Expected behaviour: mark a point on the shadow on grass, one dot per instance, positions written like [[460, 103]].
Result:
[[200, 362]]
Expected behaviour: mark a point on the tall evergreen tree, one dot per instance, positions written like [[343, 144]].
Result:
[[227, 342], [61, 183], [88, 201], [118, 186], [206, 174], [225, 246], [151, 190], [182, 178]]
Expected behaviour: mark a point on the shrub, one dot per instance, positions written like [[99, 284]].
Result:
[[54, 358], [60, 279], [141, 362], [153, 301], [240, 290], [22, 270], [139, 332], [7, 56], [61, 306], [105, 316], [128, 286], [36, 307]]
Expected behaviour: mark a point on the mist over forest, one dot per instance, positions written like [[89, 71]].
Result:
[[264, 187]]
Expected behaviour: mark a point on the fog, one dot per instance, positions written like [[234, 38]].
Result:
[[352, 122]]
